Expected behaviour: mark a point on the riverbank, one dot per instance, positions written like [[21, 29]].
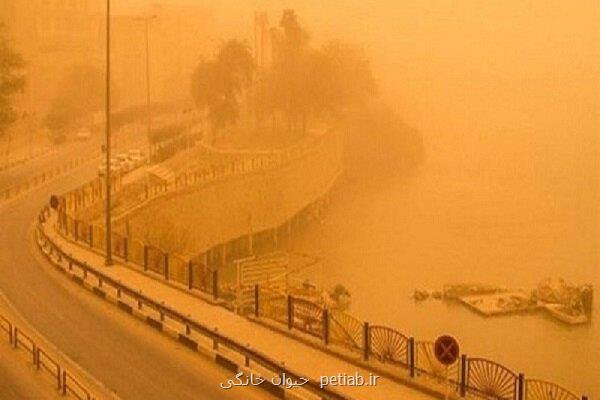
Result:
[[199, 218], [493, 216]]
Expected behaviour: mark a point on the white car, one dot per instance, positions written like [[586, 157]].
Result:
[[83, 134], [137, 157], [125, 163], [115, 168]]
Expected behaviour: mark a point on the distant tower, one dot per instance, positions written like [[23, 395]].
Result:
[[262, 41]]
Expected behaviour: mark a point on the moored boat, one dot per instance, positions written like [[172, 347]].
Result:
[[566, 314]]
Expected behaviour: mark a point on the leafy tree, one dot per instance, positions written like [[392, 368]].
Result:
[[289, 68], [218, 84], [345, 78], [12, 80], [305, 82]]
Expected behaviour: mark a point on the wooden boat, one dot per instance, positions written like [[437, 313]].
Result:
[[456, 291], [566, 314], [499, 303]]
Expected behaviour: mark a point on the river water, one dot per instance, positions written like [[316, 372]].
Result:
[[507, 194]]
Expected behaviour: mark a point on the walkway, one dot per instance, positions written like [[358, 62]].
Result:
[[311, 362]]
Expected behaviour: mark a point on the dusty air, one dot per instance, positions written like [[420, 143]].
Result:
[[348, 200]]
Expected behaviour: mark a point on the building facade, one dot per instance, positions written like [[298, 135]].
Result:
[[56, 35]]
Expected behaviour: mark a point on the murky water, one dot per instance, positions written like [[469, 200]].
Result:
[[503, 199]]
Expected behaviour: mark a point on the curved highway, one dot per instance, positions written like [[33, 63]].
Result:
[[118, 350]]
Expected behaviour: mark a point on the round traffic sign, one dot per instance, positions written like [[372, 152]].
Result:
[[54, 201], [446, 350]]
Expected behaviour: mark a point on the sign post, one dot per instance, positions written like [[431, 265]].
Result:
[[446, 350], [54, 202]]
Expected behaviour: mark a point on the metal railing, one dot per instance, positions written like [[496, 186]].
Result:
[[475, 376], [201, 273], [127, 296], [66, 383], [16, 190]]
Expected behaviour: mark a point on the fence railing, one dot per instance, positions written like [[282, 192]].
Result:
[[250, 163], [199, 273], [66, 383], [128, 297], [470, 375], [22, 160], [16, 190]]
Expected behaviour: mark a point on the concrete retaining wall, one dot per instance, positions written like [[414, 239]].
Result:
[[198, 218]]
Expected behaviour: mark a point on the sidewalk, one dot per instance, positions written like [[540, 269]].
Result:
[[307, 360]]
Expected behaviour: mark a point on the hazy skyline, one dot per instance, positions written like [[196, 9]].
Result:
[[445, 182]]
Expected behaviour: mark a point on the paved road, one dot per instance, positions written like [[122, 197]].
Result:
[[66, 152], [122, 140], [124, 354]]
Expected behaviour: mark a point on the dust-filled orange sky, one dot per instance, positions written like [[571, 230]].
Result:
[[427, 49]]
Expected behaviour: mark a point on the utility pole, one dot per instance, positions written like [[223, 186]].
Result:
[[148, 114], [108, 259], [149, 120]]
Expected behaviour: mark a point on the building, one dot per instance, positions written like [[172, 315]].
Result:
[[55, 35], [52, 35]]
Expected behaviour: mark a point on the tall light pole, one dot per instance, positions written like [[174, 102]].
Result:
[[149, 120], [108, 259], [146, 20]]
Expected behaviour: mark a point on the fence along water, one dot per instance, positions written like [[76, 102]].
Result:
[[128, 298], [333, 328]]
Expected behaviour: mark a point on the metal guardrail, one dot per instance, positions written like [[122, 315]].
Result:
[[16, 190], [20, 161], [66, 383], [173, 267], [218, 339], [387, 345]]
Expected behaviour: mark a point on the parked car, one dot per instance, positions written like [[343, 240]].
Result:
[[115, 167], [137, 157], [125, 163], [83, 134]]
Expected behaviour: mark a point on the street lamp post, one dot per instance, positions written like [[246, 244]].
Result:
[[148, 114], [108, 259]]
